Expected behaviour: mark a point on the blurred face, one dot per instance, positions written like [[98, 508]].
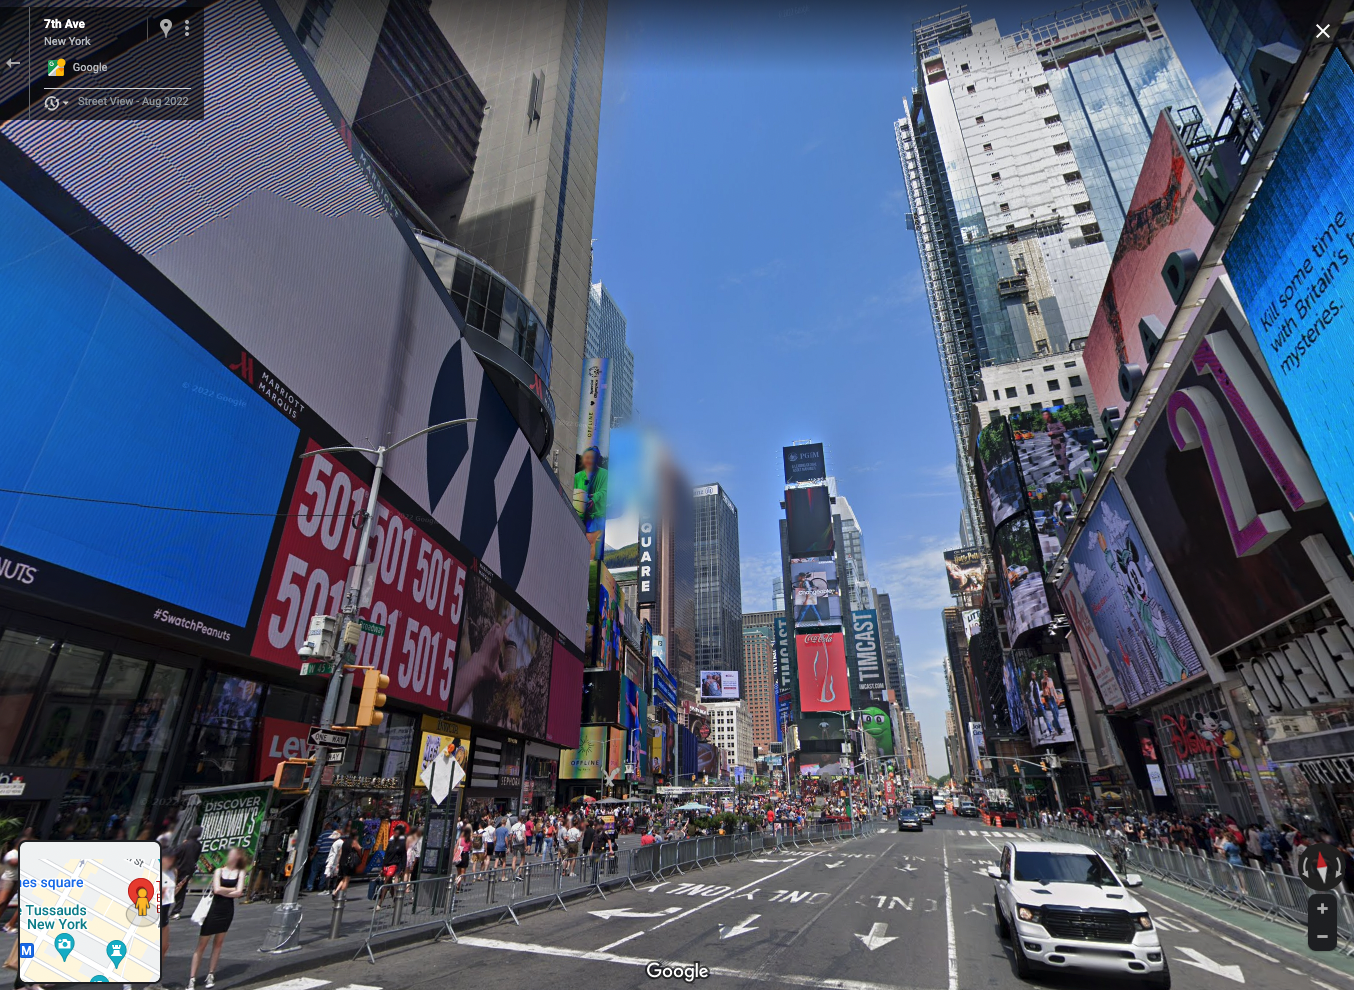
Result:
[[589, 461]]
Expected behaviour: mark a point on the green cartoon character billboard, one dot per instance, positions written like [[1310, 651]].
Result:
[[878, 724]]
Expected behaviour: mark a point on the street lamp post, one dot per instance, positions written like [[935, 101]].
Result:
[[286, 920]]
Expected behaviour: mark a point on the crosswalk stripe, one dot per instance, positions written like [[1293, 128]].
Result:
[[300, 983], [358, 986]]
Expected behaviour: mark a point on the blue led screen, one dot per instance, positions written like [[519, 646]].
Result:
[[1291, 262], [104, 398]]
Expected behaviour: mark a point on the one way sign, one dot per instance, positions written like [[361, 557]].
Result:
[[327, 737]]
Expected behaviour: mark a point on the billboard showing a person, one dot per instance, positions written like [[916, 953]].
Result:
[[966, 570], [808, 522], [1041, 693], [590, 459], [1134, 616], [817, 596], [719, 685], [1022, 578]]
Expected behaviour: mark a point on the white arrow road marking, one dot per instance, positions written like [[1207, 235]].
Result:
[[609, 913], [974, 910], [746, 925], [833, 866], [876, 938], [766, 861], [1200, 960], [906, 869]]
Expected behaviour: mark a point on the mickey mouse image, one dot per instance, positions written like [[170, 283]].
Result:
[[1152, 616]]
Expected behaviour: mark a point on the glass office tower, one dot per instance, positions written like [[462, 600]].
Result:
[[1021, 153], [719, 586]]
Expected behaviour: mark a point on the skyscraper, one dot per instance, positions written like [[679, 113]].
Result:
[[528, 213], [778, 594], [1240, 28], [719, 589], [891, 648], [1020, 154], [759, 681], [856, 587], [606, 338], [916, 749]]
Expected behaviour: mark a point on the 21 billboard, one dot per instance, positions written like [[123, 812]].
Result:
[[1290, 262], [1133, 615], [823, 678]]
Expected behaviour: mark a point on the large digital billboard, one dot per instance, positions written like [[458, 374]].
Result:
[[719, 685], [1136, 620], [866, 650], [966, 570], [594, 445], [1041, 693], [803, 463], [1053, 446], [1163, 218], [1092, 650], [1290, 262], [502, 663], [419, 585], [823, 684], [602, 697], [1021, 572], [268, 249], [998, 473], [1204, 481], [817, 596], [588, 760], [808, 522]]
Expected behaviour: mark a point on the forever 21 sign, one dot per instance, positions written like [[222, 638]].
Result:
[[419, 594]]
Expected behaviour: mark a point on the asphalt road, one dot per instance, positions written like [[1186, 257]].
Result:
[[888, 911]]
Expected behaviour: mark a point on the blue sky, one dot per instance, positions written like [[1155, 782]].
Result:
[[749, 222]]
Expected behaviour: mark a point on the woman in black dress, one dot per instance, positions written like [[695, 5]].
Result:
[[228, 884]]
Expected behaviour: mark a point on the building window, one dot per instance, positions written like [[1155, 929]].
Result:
[[1041, 89], [996, 395], [1069, 364], [1015, 409], [972, 89], [987, 147], [1079, 400], [978, 120], [1032, 307], [1071, 177], [1010, 393], [1005, 207], [963, 66], [1029, 388], [1055, 119], [996, 176], [1055, 385], [1035, 407], [1082, 207], [993, 415], [1074, 382], [1048, 367], [1063, 148]]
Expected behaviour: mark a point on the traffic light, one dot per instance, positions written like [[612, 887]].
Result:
[[373, 697], [1015, 766], [291, 776], [1043, 765]]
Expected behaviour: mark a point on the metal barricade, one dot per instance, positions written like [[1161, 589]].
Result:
[[409, 905]]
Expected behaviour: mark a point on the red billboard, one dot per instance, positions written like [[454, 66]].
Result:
[[282, 739], [419, 589], [1163, 218], [823, 684]]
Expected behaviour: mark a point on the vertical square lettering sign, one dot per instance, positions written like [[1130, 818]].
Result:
[[419, 589]]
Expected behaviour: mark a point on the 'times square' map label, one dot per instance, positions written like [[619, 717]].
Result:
[[90, 912]]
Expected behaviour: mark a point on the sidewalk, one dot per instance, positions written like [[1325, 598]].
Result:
[[1238, 922], [242, 963]]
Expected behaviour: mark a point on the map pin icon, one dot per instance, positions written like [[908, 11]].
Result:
[[165, 25], [116, 950], [65, 945], [98, 979]]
